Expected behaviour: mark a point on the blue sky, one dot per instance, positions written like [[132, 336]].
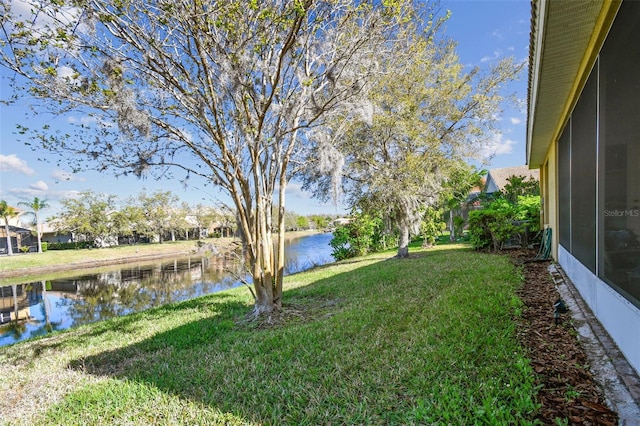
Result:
[[486, 31]]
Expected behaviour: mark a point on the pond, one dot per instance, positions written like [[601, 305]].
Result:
[[37, 308]]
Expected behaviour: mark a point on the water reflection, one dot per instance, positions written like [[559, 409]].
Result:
[[32, 309]]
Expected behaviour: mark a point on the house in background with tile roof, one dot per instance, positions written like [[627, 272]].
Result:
[[498, 178]]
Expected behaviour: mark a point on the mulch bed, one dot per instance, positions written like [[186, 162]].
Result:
[[567, 387]]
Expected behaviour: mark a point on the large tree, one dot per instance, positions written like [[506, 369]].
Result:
[[36, 205], [225, 90], [427, 113], [6, 213], [157, 210], [88, 216]]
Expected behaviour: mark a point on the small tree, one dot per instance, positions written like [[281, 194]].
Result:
[[204, 217], [321, 222], [458, 226], [7, 212], [457, 186], [518, 186], [302, 222], [36, 205]]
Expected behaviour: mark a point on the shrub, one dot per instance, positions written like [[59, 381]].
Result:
[[528, 209], [364, 234], [501, 220], [74, 245], [431, 226], [493, 225], [45, 246]]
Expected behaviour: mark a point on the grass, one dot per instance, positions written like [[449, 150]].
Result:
[[425, 340], [57, 257]]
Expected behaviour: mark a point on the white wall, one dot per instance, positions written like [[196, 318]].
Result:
[[619, 317]]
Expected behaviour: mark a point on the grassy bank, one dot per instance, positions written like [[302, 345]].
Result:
[[58, 257], [34, 266], [369, 341]]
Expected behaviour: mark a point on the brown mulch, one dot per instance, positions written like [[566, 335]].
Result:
[[567, 387]]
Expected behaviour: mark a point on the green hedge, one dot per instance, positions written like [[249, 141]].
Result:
[[500, 220], [75, 245]]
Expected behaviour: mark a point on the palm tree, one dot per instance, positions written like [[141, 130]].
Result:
[[7, 212], [36, 205]]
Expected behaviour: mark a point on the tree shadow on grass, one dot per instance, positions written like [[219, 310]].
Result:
[[128, 324], [222, 362], [285, 374]]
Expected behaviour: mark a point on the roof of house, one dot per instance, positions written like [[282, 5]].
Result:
[[497, 178], [566, 36]]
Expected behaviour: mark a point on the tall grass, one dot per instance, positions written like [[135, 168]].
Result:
[[425, 340]]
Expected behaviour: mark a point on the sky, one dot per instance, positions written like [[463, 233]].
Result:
[[486, 31]]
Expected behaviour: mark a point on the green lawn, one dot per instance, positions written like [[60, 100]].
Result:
[[56, 257], [425, 340]]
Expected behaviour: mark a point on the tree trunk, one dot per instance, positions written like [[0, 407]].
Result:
[[39, 234], [279, 258], [45, 302], [452, 230], [403, 245], [257, 241], [9, 247], [14, 289]]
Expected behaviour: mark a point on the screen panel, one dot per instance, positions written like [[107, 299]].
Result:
[[620, 151], [564, 188], [583, 174]]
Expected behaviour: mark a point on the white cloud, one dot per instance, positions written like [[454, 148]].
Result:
[[37, 189], [29, 11], [65, 71], [67, 194], [11, 163], [26, 192], [294, 189], [497, 146], [86, 120], [59, 175], [496, 55], [39, 186], [41, 189], [515, 120]]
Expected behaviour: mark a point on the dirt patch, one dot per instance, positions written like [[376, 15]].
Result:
[[567, 387]]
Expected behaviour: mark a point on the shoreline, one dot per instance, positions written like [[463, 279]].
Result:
[[89, 264], [152, 252]]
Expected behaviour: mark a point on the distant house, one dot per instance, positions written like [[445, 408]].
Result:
[[341, 221], [583, 133], [20, 237], [497, 178], [51, 235]]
